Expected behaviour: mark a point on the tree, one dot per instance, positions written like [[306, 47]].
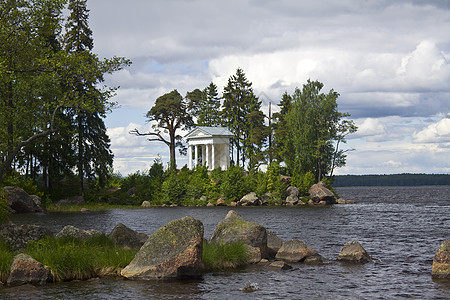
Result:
[[241, 114], [28, 44], [208, 114], [171, 113], [39, 80], [314, 125]]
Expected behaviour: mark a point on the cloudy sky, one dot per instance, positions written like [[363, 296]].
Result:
[[389, 60]]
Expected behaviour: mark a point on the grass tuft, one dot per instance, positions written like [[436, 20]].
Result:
[[220, 257], [6, 258], [70, 259]]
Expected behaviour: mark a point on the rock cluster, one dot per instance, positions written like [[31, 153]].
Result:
[[441, 262]]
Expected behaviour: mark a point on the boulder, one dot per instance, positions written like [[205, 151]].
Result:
[[127, 237], [20, 201], [26, 270], [210, 204], [341, 201], [145, 204], [172, 251], [319, 192], [254, 254], [235, 229], [18, 236], [74, 232], [441, 262], [353, 252], [296, 251], [249, 200], [292, 191], [274, 243]]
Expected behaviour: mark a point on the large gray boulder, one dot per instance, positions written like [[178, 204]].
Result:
[[235, 229], [319, 194], [353, 252], [78, 233], [18, 236], [441, 262], [127, 237], [173, 251], [26, 270], [20, 201], [296, 251]]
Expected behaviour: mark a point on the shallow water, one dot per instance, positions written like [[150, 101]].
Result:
[[400, 226]]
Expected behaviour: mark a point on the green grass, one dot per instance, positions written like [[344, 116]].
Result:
[[6, 258], [92, 207], [71, 259], [219, 257]]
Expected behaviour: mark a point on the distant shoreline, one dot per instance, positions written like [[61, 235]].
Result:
[[405, 179]]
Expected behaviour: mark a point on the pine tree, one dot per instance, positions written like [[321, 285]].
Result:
[[92, 143], [208, 114], [241, 113]]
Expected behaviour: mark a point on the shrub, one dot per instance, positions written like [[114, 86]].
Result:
[[219, 256], [303, 182]]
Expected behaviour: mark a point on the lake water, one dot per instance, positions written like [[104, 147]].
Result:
[[400, 226]]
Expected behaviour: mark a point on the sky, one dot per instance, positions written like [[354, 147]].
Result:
[[388, 59]]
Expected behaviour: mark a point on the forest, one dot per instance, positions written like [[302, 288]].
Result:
[[391, 180], [53, 102]]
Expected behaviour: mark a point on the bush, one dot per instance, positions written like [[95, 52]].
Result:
[[235, 184], [219, 257], [4, 208], [303, 182]]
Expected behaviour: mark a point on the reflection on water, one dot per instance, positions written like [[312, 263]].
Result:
[[401, 227]]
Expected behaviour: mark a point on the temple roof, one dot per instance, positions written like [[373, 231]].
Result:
[[208, 131]]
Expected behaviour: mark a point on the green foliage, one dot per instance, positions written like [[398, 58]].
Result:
[[303, 182], [70, 259], [219, 257], [234, 185], [4, 208], [275, 185], [27, 184], [174, 187]]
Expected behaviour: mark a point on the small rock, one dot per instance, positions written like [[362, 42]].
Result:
[[354, 252], [233, 203], [210, 204], [281, 265], [341, 201], [292, 191], [250, 288], [249, 200], [84, 209], [221, 202]]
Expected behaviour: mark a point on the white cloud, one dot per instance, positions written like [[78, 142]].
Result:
[[438, 132]]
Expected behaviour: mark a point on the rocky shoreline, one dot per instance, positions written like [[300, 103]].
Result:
[[318, 195], [175, 250]]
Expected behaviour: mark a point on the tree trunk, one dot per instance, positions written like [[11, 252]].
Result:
[[80, 152]]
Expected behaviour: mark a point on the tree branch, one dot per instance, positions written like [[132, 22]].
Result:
[[158, 134]]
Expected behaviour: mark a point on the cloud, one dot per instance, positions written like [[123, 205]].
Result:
[[438, 132]]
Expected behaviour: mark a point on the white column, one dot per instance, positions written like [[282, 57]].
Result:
[[195, 155], [227, 155], [207, 160], [190, 157], [213, 156]]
